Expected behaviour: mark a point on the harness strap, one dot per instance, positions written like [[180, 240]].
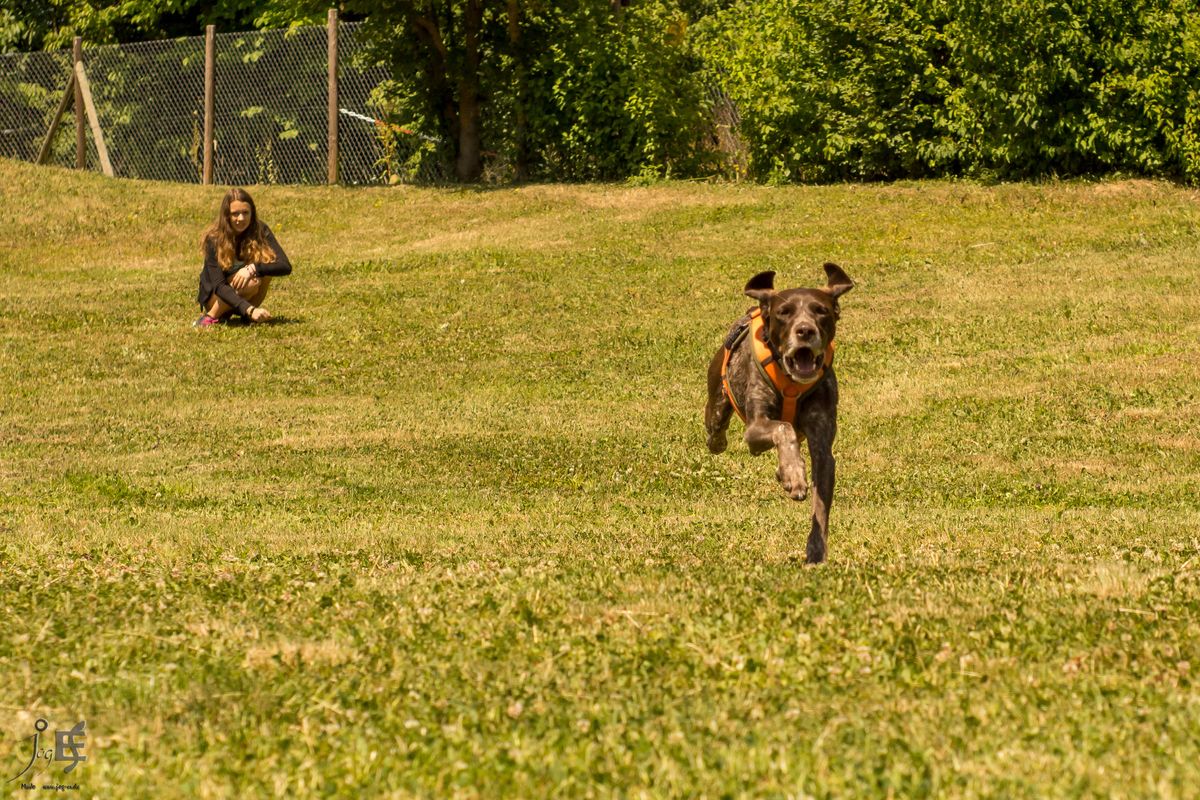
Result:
[[790, 391], [732, 341]]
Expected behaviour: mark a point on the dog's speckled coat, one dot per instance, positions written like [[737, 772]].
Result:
[[800, 325]]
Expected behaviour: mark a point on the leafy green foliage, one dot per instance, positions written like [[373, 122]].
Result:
[[824, 90], [865, 89], [51, 24], [613, 97], [827, 90], [569, 90]]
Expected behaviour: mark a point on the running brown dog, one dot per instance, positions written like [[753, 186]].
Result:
[[775, 370]]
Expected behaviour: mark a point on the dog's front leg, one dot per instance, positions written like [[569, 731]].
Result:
[[820, 448], [762, 434]]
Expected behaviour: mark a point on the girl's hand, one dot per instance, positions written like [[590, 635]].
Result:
[[243, 276], [260, 315]]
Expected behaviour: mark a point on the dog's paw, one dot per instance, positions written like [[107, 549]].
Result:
[[717, 442], [815, 552], [793, 481]]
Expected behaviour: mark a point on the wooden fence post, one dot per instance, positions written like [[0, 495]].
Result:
[[210, 52], [80, 135], [89, 105], [333, 97], [68, 94]]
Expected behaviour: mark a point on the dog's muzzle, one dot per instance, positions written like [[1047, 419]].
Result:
[[803, 363]]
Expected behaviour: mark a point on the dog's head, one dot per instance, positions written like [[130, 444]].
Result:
[[800, 323]]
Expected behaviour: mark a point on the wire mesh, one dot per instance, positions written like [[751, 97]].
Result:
[[149, 98], [361, 154], [270, 107], [373, 147], [31, 86], [270, 116]]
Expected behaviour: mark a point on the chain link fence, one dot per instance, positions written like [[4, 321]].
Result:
[[270, 109], [149, 98], [31, 85]]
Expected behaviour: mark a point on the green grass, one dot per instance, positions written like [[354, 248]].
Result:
[[450, 529]]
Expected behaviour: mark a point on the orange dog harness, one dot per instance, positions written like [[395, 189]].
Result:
[[764, 358]]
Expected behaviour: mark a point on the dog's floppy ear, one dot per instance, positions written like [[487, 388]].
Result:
[[838, 281], [761, 286]]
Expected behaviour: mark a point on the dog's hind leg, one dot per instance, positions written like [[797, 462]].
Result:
[[718, 409]]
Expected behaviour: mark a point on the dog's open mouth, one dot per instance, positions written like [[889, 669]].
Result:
[[802, 364]]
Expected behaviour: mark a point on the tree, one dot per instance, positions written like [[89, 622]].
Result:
[[581, 89], [51, 24], [577, 88], [446, 53]]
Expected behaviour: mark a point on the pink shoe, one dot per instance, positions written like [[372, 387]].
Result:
[[206, 321]]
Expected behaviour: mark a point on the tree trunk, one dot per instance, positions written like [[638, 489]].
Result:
[[437, 76], [521, 112], [469, 164]]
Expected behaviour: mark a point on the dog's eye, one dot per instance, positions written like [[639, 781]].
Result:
[[820, 311], [786, 311]]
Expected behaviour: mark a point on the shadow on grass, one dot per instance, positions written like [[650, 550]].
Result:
[[239, 322]]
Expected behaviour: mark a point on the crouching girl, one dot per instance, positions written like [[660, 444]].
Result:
[[241, 256]]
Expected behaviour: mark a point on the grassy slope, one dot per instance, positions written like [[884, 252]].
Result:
[[450, 527]]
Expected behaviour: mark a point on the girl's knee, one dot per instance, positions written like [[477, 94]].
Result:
[[250, 288], [262, 284]]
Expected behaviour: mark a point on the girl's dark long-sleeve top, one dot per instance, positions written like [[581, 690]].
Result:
[[215, 280]]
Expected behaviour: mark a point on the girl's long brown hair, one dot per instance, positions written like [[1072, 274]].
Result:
[[250, 247]]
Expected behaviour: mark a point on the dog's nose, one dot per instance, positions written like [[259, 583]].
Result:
[[805, 332]]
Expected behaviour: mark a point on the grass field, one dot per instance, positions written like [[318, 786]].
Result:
[[448, 528]]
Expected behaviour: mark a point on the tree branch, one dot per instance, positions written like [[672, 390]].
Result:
[[430, 29]]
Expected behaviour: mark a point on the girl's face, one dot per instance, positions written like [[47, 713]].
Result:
[[239, 215]]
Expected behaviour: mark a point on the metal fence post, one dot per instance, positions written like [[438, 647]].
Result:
[[80, 135], [333, 96], [210, 52]]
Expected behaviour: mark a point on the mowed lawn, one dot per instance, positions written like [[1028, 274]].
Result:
[[448, 527]]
